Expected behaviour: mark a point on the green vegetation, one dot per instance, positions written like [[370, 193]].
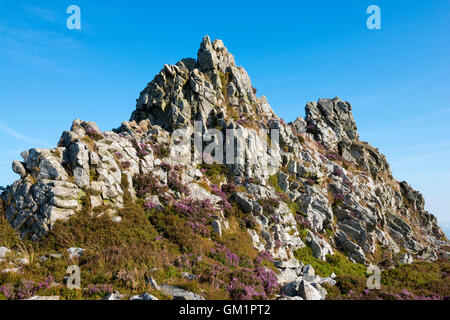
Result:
[[224, 79], [337, 264], [417, 281], [93, 175], [233, 113], [273, 182], [216, 173], [8, 237], [148, 242]]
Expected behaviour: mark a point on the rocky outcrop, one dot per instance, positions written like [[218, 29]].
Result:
[[313, 173], [180, 294], [306, 284]]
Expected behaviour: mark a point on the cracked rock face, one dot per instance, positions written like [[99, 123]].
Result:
[[319, 176]]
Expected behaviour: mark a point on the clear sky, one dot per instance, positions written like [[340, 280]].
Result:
[[396, 78]]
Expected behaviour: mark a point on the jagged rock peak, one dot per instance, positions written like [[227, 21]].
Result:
[[319, 175], [333, 119], [214, 55], [209, 89]]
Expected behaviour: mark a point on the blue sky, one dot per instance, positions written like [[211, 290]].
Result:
[[395, 78]]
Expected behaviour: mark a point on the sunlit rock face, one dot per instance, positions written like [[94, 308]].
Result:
[[313, 172]]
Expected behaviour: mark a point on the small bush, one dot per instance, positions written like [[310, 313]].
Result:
[[93, 134]]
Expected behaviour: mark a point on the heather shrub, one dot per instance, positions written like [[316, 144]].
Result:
[[269, 205], [338, 200], [142, 149], [110, 246], [99, 290], [25, 288], [312, 128], [125, 164], [251, 284], [197, 212], [93, 134], [174, 182], [181, 226], [338, 171], [161, 151], [146, 184], [222, 254]]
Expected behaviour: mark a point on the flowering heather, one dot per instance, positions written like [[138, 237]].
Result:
[[141, 148], [26, 289], [263, 256], [239, 291], [216, 275], [146, 184], [278, 243], [269, 205], [338, 196], [142, 153], [303, 222], [274, 218], [118, 155], [347, 182], [198, 213], [99, 289], [126, 278], [222, 254], [174, 182], [269, 280], [251, 284], [166, 198], [149, 205], [338, 199], [312, 128], [125, 164], [229, 188], [338, 172], [332, 156], [7, 291], [223, 196], [166, 166], [199, 228], [250, 221], [160, 151], [215, 189], [192, 207], [93, 134]]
